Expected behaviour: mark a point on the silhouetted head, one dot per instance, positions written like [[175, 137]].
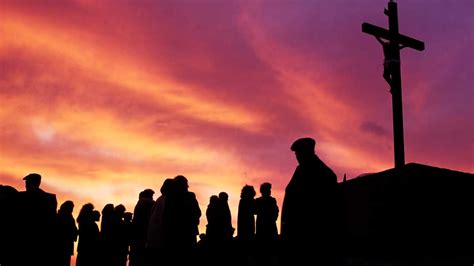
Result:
[[7, 191], [181, 183], [146, 194], [167, 186], [213, 200], [119, 210], [85, 213], [223, 196], [248, 192], [108, 210], [88, 207], [266, 189], [304, 149], [127, 217], [67, 207], [95, 216], [32, 181]]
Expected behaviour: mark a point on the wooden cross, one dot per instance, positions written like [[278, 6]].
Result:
[[395, 42]]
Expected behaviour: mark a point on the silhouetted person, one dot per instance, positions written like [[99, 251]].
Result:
[[308, 212], [219, 229], [141, 219], [246, 225], [389, 61], [127, 235], [266, 209], [213, 232], [67, 233], [215, 236], [8, 244], [245, 216], [228, 230], [108, 227], [36, 224], [121, 236], [156, 238], [181, 220], [88, 246]]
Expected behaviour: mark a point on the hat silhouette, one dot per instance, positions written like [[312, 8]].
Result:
[[303, 144], [33, 177]]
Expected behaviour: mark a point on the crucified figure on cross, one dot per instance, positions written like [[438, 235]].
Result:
[[390, 59]]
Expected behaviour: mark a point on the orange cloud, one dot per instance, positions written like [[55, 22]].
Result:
[[125, 73]]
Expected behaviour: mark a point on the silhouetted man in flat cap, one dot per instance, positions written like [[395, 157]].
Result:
[[36, 224], [308, 212]]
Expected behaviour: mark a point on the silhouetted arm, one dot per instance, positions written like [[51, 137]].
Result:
[[275, 209], [380, 40]]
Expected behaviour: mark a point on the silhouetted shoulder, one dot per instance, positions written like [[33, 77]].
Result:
[[50, 195]]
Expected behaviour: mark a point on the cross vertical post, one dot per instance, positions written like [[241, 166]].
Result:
[[396, 88], [392, 73]]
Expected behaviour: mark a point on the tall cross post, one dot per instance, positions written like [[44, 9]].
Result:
[[394, 42]]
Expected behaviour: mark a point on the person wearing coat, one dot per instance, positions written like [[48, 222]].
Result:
[[308, 221]]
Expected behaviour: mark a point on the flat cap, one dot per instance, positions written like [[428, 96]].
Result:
[[303, 144], [33, 177]]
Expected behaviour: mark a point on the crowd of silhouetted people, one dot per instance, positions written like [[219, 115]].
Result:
[[165, 231]]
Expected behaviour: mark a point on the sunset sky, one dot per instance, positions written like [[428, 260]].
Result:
[[107, 98]]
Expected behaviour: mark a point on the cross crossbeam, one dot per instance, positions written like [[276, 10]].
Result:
[[387, 35]]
